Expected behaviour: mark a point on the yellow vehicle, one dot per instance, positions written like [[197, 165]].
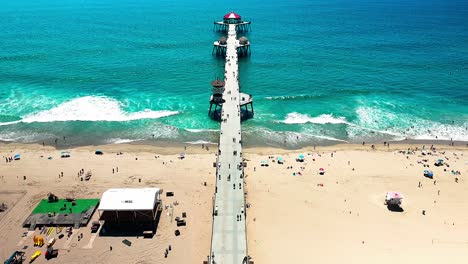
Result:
[[38, 241], [35, 255]]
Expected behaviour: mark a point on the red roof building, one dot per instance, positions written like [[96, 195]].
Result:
[[232, 18]]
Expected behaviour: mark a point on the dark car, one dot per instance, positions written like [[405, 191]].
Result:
[[95, 226]]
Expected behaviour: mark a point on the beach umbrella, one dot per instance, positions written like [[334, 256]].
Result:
[[321, 169], [17, 157], [301, 156], [440, 160]]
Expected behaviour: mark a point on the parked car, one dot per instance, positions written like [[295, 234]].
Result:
[[95, 226]]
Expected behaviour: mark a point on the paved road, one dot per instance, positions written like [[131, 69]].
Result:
[[229, 241]]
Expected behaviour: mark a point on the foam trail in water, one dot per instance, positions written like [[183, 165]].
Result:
[[195, 130], [91, 108], [199, 142], [121, 140]]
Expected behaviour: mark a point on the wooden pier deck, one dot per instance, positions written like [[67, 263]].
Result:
[[229, 239]]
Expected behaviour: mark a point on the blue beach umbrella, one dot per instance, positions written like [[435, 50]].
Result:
[[301, 156], [17, 157]]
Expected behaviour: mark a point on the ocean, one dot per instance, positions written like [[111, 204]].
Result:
[[321, 72]]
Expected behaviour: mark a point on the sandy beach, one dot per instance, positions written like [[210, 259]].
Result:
[[183, 177], [296, 215]]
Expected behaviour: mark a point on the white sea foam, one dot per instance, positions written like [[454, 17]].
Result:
[[297, 118], [24, 136], [291, 136], [402, 126], [10, 123], [199, 142], [121, 140], [330, 138], [195, 130], [91, 108]]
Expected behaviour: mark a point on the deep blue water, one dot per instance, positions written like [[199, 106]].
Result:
[[320, 71]]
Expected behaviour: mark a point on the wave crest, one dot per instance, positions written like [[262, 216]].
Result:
[[297, 118], [91, 108]]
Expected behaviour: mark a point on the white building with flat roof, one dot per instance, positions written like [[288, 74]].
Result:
[[137, 206]]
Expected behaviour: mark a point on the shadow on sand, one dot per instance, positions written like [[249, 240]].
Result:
[[130, 229], [395, 208]]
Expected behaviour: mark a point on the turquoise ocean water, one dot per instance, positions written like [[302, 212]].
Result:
[[320, 71]]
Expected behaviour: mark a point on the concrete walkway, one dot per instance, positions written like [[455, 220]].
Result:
[[229, 240]]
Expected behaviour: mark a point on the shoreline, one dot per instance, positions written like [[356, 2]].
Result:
[[168, 148]]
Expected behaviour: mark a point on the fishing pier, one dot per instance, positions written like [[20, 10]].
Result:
[[230, 106]]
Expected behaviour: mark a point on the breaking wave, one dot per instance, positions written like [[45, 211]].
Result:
[[91, 108], [297, 118]]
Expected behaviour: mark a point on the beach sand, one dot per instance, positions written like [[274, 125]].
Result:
[[291, 219], [294, 219], [183, 177]]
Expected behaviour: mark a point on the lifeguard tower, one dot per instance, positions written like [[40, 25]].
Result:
[[216, 100]]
